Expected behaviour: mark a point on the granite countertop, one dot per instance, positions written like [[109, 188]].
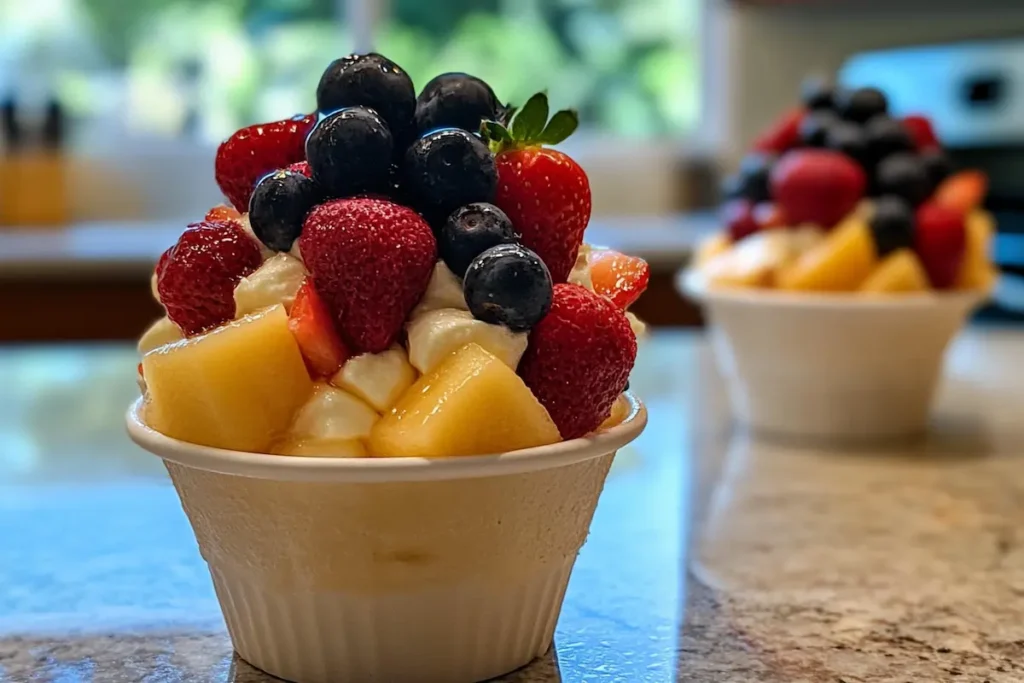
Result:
[[803, 565]]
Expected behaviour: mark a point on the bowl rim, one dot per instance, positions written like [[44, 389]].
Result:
[[380, 470], [691, 285]]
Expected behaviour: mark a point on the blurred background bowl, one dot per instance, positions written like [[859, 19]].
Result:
[[831, 367]]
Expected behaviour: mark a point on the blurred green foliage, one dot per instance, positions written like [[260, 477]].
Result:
[[629, 66]]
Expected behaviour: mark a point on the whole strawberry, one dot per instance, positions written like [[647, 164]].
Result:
[[196, 277], [253, 152], [371, 261], [578, 359], [543, 191]]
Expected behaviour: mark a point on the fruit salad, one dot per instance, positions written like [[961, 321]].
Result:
[[842, 196], [394, 275]]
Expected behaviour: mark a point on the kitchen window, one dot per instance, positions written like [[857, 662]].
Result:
[[192, 71]]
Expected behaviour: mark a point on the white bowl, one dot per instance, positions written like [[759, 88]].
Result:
[[844, 367], [403, 570]]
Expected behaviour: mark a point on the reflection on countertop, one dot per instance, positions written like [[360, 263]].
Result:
[[811, 565]]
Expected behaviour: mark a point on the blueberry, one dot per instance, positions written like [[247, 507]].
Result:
[[278, 207], [373, 81], [861, 104], [349, 153], [887, 136], [892, 225], [817, 94], [508, 285], [938, 166], [850, 139], [754, 171], [455, 100], [814, 127], [446, 169], [904, 175], [471, 230]]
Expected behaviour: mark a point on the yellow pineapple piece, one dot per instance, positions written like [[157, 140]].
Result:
[[320, 448], [620, 411], [162, 332], [235, 387], [470, 404], [977, 271], [900, 271], [711, 247], [752, 262], [838, 264]]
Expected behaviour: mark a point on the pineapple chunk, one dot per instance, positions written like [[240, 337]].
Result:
[[235, 387], [900, 271], [377, 378], [620, 411], [333, 415], [753, 262], [711, 247], [838, 264], [320, 448], [470, 404], [160, 333], [977, 271]]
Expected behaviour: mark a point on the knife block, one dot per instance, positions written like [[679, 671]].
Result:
[[34, 189]]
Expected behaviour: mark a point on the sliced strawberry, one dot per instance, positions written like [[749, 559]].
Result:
[[921, 132], [313, 327], [784, 135], [223, 212], [619, 277], [941, 242], [963, 192]]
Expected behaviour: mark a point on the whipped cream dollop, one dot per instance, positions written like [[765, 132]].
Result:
[[275, 282], [333, 414], [443, 291], [380, 379], [265, 251], [580, 273], [436, 334]]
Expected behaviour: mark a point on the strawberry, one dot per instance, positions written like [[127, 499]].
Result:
[[253, 152], [921, 132], [196, 277], [223, 212], [313, 328], [619, 277], [784, 135], [817, 186], [940, 241], [543, 191], [738, 216], [578, 359], [371, 261], [301, 167], [964, 191]]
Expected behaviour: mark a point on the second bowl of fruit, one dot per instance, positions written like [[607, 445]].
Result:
[[390, 380], [850, 256]]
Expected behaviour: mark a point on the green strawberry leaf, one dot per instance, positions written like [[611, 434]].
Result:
[[561, 126], [496, 136], [529, 121]]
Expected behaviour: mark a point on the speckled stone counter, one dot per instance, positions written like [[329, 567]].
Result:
[[804, 566]]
